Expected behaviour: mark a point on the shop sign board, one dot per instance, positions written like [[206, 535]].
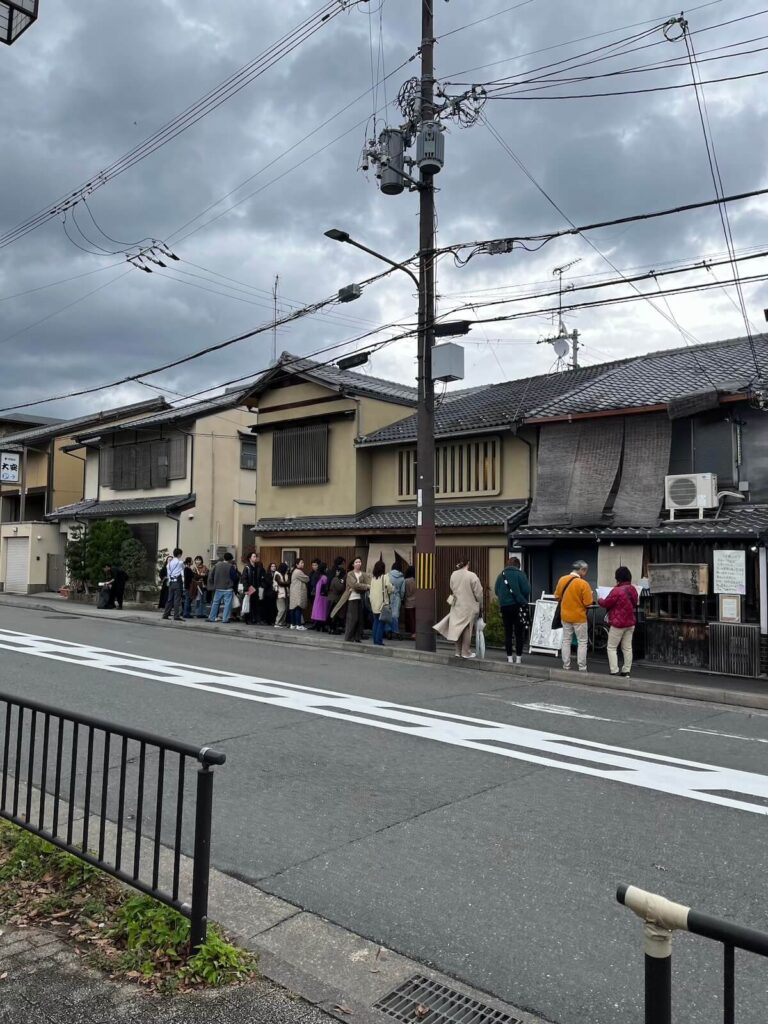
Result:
[[10, 467], [730, 572], [679, 578]]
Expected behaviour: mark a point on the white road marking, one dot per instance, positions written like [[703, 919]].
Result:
[[690, 779], [548, 709], [724, 735]]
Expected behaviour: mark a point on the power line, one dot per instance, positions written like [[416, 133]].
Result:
[[629, 92], [195, 112]]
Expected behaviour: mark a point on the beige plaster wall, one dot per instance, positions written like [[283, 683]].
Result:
[[44, 539], [514, 473], [68, 474]]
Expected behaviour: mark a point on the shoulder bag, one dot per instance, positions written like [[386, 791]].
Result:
[[557, 618]]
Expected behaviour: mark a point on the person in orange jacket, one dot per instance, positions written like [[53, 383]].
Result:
[[575, 596]]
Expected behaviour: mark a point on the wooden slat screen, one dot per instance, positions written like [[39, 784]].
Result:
[[461, 468], [300, 455], [177, 457], [445, 563]]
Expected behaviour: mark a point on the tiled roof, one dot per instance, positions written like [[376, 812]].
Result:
[[339, 380], [92, 509], [737, 522], [659, 377], [489, 407], [192, 411], [70, 428], [399, 517], [648, 380]]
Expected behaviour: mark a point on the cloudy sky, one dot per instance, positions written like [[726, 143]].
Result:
[[90, 80]]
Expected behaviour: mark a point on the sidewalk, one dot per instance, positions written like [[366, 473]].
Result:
[[663, 681], [43, 981]]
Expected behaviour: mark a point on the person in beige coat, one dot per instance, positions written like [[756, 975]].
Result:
[[466, 603], [353, 598]]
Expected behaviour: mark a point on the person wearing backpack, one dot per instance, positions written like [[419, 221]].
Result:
[[574, 595], [621, 603], [512, 592]]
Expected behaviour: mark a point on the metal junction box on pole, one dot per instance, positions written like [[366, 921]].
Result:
[[448, 362]]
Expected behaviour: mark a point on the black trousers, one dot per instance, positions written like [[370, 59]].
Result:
[[514, 628], [173, 602], [118, 592], [355, 621]]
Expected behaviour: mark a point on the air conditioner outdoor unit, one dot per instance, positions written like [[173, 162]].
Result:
[[690, 491]]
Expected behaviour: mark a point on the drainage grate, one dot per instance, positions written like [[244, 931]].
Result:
[[421, 1001]]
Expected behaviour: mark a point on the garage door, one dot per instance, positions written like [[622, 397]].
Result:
[[16, 564]]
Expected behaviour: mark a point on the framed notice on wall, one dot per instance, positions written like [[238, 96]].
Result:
[[729, 608], [730, 572]]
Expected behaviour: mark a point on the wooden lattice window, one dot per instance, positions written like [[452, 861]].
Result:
[[300, 455], [462, 469]]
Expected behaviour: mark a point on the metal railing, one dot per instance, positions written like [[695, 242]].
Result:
[[78, 781], [661, 918]]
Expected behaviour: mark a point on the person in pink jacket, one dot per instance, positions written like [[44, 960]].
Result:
[[621, 603]]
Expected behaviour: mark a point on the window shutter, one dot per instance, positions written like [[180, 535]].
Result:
[[177, 457], [106, 466], [143, 466], [159, 463], [124, 457]]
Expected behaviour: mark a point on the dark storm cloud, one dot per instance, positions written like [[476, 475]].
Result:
[[90, 80]]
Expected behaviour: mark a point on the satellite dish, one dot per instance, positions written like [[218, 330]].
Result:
[[561, 347]]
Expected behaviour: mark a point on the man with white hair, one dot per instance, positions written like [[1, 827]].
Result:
[[575, 596]]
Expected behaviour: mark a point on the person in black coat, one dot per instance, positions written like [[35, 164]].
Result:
[[254, 584]]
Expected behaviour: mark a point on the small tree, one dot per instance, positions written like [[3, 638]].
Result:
[[135, 561], [162, 558], [105, 539], [75, 558]]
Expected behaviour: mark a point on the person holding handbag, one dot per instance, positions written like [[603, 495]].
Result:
[[621, 603], [280, 585], [380, 596], [466, 602], [352, 600], [512, 592]]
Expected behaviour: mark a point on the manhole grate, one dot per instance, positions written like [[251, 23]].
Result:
[[421, 1001]]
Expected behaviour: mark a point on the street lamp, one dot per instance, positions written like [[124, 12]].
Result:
[[425, 449], [15, 17]]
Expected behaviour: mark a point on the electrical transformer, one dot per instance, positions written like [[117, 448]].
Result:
[[392, 147], [430, 147]]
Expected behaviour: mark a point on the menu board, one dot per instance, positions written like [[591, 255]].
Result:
[[544, 639], [679, 578], [730, 572]]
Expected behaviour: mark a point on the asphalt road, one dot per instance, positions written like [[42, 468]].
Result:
[[477, 824]]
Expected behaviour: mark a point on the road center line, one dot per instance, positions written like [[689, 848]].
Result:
[[689, 779]]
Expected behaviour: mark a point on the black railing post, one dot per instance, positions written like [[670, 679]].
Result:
[[202, 857], [729, 985], [658, 975]]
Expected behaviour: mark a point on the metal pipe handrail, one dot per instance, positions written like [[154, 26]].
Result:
[[661, 918], [205, 755]]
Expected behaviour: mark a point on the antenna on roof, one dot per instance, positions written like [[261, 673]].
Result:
[[563, 342], [274, 322]]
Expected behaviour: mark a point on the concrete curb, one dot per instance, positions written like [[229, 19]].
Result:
[[650, 687]]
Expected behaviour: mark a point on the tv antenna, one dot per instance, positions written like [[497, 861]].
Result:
[[563, 342]]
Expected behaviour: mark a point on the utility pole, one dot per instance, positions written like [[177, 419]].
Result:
[[425, 440]]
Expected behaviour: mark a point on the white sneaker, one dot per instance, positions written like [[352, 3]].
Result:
[[301, 627], [468, 656], [292, 627], [510, 659], [519, 659], [582, 669]]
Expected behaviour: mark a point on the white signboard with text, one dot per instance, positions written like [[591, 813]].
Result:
[[544, 639], [10, 467], [730, 572]]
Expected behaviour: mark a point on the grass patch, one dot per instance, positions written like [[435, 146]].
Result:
[[129, 936]]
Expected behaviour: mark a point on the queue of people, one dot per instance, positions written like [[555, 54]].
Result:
[[350, 601]]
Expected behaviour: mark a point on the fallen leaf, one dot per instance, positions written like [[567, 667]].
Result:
[[342, 1009], [422, 1011], [3, 976]]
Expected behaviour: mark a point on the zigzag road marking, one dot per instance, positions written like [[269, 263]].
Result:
[[692, 780]]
